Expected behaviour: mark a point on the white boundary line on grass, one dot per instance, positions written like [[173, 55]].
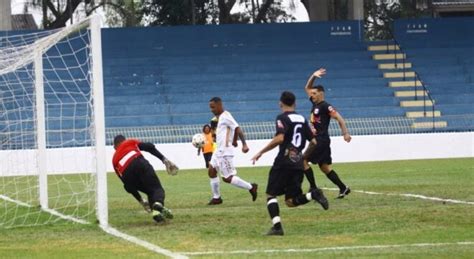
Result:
[[408, 195], [50, 211], [107, 229], [322, 249], [114, 232]]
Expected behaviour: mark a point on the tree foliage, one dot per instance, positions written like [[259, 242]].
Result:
[[380, 14]]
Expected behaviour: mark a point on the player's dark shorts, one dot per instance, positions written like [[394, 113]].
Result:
[[284, 181], [141, 176], [207, 158], [322, 153]]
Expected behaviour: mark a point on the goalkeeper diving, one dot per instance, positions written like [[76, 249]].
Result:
[[137, 174]]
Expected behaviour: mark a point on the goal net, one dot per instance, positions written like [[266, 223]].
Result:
[[52, 144]]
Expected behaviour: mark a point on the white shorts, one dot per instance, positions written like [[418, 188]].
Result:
[[224, 165]]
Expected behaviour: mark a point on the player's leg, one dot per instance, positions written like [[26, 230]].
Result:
[[334, 177], [308, 172], [151, 185], [294, 196], [275, 187], [314, 157], [229, 175], [214, 182], [207, 158]]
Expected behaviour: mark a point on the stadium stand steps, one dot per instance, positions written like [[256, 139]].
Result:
[[400, 80]]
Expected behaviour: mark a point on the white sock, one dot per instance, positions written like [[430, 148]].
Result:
[[236, 181], [215, 187]]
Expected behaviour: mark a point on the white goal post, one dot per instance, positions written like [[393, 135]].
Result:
[[51, 106]]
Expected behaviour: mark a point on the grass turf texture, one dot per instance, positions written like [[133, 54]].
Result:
[[239, 223]]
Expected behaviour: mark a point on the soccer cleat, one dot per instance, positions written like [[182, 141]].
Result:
[[318, 195], [275, 231], [157, 216], [163, 210], [253, 191], [344, 193], [215, 201]]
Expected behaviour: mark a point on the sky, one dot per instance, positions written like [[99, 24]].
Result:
[[300, 12]]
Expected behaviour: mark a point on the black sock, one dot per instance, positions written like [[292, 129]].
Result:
[[335, 179], [300, 200], [310, 176], [274, 211]]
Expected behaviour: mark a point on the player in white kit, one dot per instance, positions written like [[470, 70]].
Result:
[[227, 133]]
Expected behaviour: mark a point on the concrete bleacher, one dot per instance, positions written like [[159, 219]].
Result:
[[171, 73], [441, 52], [164, 76]]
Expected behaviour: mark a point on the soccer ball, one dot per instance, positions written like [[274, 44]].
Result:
[[198, 140]]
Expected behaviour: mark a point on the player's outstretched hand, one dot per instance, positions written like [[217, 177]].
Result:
[[245, 148], [256, 157], [146, 206], [171, 168], [319, 73], [347, 137]]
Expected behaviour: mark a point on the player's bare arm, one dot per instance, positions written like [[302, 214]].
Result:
[[310, 149], [239, 134], [342, 125], [277, 140], [317, 74]]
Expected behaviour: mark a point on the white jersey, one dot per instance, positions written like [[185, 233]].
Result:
[[225, 133]]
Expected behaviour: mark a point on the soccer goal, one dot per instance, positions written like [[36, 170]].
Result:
[[52, 132]]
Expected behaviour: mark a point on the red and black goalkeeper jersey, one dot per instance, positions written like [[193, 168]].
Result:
[[321, 117], [125, 154]]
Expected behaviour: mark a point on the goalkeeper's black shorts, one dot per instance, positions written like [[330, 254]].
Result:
[[141, 176]]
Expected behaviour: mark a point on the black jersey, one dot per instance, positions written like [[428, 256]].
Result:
[[296, 131], [321, 117]]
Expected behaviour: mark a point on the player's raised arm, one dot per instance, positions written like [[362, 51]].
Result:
[[317, 74], [342, 124]]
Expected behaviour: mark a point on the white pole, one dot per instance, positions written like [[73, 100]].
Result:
[[99, 121], [41, 131]]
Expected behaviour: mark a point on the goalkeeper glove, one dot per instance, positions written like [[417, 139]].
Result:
[[171, 168]]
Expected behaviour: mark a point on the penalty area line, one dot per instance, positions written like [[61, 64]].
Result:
[[323, 249], [410, 195]]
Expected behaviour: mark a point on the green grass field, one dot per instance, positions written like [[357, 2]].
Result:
[[239, 224]]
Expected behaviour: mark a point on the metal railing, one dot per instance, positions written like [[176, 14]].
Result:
[[426, 92], [397, 45]]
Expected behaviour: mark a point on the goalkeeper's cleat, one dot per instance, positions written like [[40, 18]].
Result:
[[318, 195], [215, 201], [344, 193], [253, 191], [157, 216], [275, 231], [165, 212]]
